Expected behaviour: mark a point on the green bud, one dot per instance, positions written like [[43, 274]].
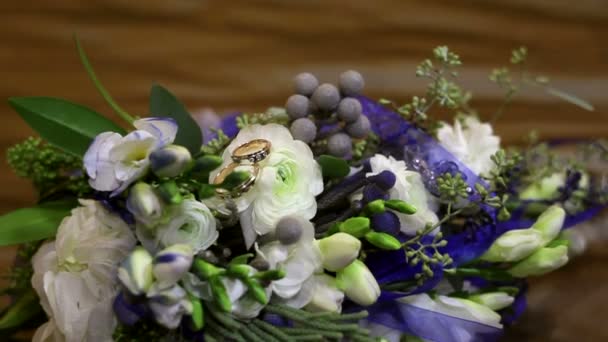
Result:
[[270, 275], [205, 164], [170, 161], [514, 245], [383, 241], [546, 188], [197, 317], [339, 250], [169, 192], [358, 283], [135, 272], [400, 206], [550, 223], [206, 270], [355, 226], [375, 207], [256, 290], [206, 191], [240, 271], [235, 179], [542, 261], [220, 295], [493, 300]]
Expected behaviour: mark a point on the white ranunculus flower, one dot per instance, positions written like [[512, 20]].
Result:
[[409, 188], [113, 162], [75, 275], [189, 222], [287, 183], [300, 262], [471, 142]]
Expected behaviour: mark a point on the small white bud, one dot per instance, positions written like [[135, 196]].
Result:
[[358, 283], [339, 250], [493, 300], [514, 245], [542, 261], [135, 272], [171, 264], [550, 223]]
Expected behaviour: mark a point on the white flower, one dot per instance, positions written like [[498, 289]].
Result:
[[75, 275], [326, 295], [189, 222], [287, 183], [113, 162], [471, 142], [169, 305], [409, 188], [300, 262]]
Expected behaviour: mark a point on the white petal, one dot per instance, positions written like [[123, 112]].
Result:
[[164, 129]]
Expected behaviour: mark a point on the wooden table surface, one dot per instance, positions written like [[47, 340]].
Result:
[[242, 55]]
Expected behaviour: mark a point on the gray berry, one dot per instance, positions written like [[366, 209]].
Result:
[[360, 128], [326, 97], [351, 83], [303, 129], [339, 145], [349, 109], [305, 83], [297, 106], [289, 230]]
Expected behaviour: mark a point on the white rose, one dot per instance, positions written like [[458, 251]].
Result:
[[471, 142], [189, 222], [113, 162], [409, 188], [287, 183], [75, 275]]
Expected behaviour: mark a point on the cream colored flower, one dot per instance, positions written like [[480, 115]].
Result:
[[75, 275], [287, 183], [471, 142]]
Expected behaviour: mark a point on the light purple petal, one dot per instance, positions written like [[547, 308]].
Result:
[[164, 129]]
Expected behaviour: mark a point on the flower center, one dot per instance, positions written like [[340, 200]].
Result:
[[286, 177]]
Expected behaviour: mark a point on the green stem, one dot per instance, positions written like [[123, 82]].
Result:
[[102, 90]]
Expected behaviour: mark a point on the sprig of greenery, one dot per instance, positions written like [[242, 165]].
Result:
[[216, 145], [272, 115]]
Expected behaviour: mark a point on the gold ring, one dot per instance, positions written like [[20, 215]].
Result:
[[240, 188], [253, 151]]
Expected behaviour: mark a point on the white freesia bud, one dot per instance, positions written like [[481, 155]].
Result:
[[493, 300], [550, 223], [135, 272], [170, 161], [326, 295], [171, 264], [143, 203], [542, 261], [546, 188], [358, 283], [339, 250], [514, 245]]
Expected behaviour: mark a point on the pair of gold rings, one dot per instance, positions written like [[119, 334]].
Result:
[[246, 157]]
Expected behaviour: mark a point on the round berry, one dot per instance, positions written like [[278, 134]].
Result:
[[360, 128], [305, 83], [289, 230], [297, 106], [303, 129], [339, 145], [349, 109], [326, 97], [351, 83]]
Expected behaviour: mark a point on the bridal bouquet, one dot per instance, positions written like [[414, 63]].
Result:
[[337, 217]]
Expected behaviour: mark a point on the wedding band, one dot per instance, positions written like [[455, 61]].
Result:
[[253, 151], [240, 188]]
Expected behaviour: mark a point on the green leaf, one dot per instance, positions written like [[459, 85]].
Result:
[[32, 224], [21, 311], [575, 100], [66, 125], [165, 104], [333, 167]]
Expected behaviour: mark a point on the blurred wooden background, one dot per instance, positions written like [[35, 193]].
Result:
[[242, 55]]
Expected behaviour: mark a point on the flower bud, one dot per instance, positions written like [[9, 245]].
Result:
[[135, 272], [546, 188], [493, 300], [355, 226], [383, 241], [542, 261], [170, 161], [514, 245], [550, 223], [339, 250], [326, 295], [358, 283], [171, 264], [143, 203]]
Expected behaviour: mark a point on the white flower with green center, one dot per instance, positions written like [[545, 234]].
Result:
[[288, 180], [471, 142]]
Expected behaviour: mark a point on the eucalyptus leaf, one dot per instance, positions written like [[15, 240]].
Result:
[[35, 223], [66, 125], [333, 167], [165, 104]]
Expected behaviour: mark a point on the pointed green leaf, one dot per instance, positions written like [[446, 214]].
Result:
[[165, 104], [333, 167], [31, 224], [21, 311], [575, 100], [66, 125]]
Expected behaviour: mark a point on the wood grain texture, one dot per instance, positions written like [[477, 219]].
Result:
[[242, 55]]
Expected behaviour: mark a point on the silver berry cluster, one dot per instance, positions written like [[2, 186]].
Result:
[[314, 105]]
